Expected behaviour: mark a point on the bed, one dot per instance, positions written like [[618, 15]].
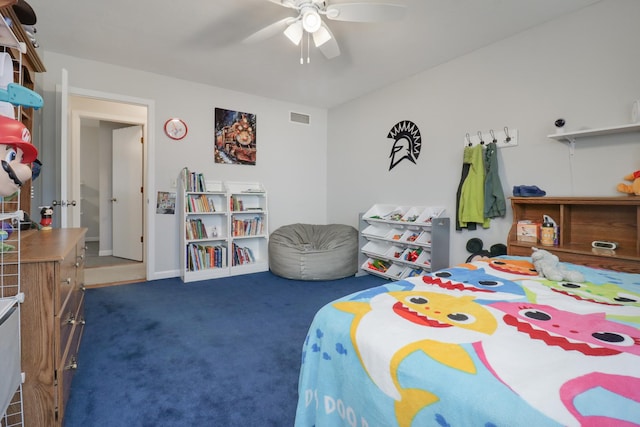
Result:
[[486, 343]]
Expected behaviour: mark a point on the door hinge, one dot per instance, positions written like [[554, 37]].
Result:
[[141, 189], [141, 239], [142, 140]]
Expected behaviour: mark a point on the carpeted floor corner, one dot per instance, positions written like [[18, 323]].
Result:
[[223, 352]]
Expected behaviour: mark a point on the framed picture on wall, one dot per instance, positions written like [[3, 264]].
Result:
[[235, 137], [166, 203]]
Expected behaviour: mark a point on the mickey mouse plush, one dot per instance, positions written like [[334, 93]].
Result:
[[17, 153], [634, 188]]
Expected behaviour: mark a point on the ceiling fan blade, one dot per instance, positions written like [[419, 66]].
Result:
[[329, 48], [286, 3], [269, 31], [365, 12]]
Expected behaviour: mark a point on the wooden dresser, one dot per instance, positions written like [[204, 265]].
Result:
[[52, 278], [583, 220]]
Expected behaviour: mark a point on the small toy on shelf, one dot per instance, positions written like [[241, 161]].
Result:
[[5, 231], [46, 217], [634, 187], [18, 155]]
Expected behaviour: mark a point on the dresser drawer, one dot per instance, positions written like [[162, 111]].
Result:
[[67, 280], [67, 368]]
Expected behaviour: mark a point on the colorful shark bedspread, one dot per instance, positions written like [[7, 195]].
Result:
[[488, 343]]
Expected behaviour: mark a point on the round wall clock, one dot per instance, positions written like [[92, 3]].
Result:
[[175, 128]]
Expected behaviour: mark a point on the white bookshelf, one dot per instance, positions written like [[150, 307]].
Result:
[[224, 228]]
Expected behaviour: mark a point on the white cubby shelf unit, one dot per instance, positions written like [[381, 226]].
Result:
[[397, 242], [225, 231]]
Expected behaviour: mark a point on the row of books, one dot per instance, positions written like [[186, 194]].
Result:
[[242, 255], [200, 203], [196, 229], [247, 227], [236, 204], [193, 181], [201, 257]]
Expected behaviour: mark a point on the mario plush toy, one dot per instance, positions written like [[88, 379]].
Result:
[[17, 153], [634, 187]]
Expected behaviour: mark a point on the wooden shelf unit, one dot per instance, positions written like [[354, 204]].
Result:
[[582, 220], [27, 62]]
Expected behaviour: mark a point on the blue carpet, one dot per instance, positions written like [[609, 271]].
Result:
[[223, 352]]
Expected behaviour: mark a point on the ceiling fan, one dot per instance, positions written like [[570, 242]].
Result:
[[309, 19]]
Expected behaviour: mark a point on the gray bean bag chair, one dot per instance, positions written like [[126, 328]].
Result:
[[314, 252]]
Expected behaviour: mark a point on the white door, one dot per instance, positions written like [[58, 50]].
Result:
[[127, 195]]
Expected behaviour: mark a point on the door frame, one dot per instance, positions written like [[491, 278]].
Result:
[[77, 115], [148, 153]]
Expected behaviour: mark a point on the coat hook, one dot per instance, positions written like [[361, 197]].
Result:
[[506, 132], [480, 137], [493, 136], [469, 140]]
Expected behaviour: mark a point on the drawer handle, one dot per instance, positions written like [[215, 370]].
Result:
[[67, 280], [71, 320], [72, 365], [81, 321], [83, 287]]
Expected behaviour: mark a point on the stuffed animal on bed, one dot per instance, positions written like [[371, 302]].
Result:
[[634, 187], [549, 266]]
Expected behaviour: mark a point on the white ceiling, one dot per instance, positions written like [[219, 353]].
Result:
[[200, 40]]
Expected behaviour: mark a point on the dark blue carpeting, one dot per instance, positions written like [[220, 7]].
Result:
[[222, 352]]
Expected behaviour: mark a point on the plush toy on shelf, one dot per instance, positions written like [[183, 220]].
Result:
[[548, 265], [634, 187], [18, 155], [15, 140], [46, 217]]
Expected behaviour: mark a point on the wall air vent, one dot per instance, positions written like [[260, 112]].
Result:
[[299, 118]]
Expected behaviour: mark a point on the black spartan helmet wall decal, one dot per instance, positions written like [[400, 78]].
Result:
[[407, 142]]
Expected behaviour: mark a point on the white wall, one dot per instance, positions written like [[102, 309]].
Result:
[[583, 67], [291, 161]]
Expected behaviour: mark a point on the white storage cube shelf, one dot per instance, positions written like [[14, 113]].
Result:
[[403, 241]]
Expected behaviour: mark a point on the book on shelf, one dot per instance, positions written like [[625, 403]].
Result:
[[196, 229], [202, 257], [242, 255], [200, 203], [247, 227], [192, 181]]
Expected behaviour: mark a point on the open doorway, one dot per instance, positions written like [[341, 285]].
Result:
[[96, 127]]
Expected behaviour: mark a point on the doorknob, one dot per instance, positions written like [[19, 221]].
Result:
[[63, 203]]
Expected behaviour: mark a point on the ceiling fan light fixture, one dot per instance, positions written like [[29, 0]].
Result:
[[294, 32], [311, 21], [321, 36]]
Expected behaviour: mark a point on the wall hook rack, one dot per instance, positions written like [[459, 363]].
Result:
[[505, 138]]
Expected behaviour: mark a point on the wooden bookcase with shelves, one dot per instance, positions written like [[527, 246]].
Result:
[[225, 229], [403, 241], [581, 221]]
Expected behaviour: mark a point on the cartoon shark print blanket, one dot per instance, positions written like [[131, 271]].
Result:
[[488, 343]]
